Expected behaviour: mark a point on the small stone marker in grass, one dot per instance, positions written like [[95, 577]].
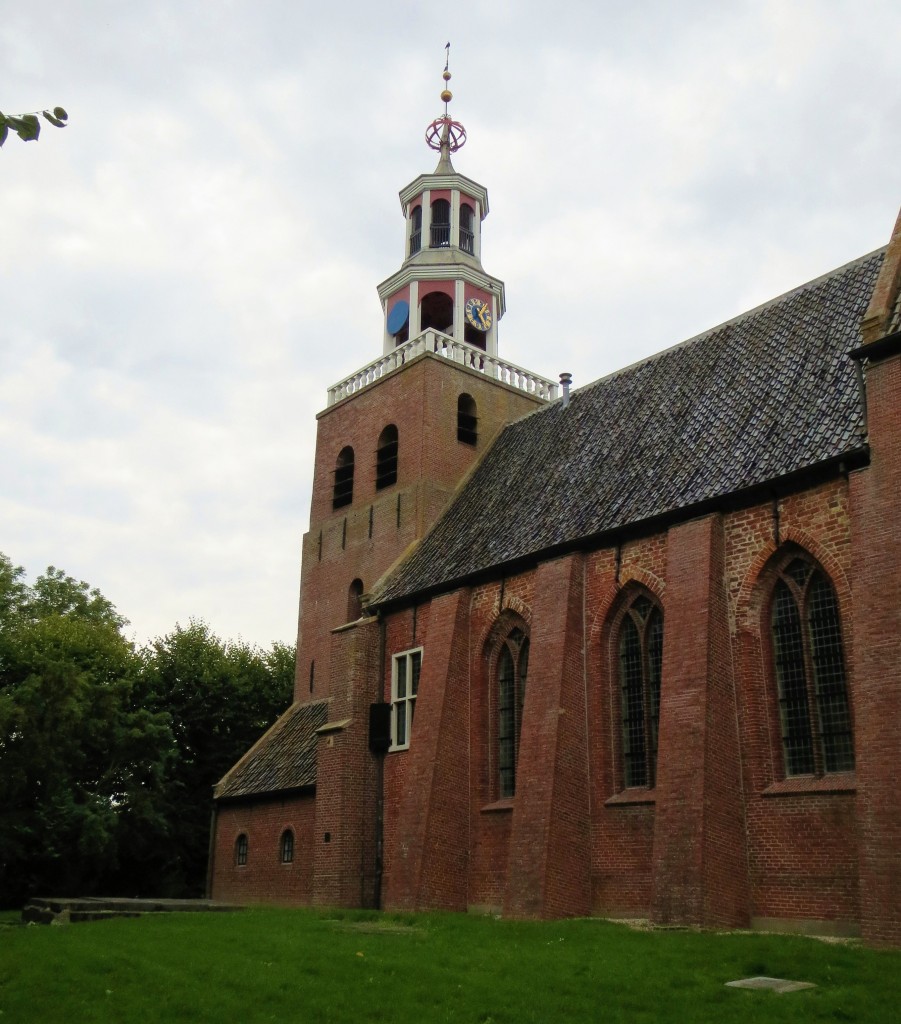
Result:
[[773, 984]]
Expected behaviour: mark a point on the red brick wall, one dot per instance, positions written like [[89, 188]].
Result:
[[876, 510], [363, 539], [549, 873], [724, 837], [432, 809], [264, 879]]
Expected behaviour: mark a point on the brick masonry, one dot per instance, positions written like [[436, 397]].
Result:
[[724, 837]]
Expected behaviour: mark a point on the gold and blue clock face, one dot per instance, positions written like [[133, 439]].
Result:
[[478, 313]]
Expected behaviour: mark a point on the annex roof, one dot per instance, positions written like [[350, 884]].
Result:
[[762, 397], [284, 758]]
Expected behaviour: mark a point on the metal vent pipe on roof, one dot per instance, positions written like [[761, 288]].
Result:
[[565, 381]]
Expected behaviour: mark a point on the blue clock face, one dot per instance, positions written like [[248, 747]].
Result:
[[478, 313], [397, 316]]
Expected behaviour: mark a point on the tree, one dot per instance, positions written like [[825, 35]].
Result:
[[220, 698], [80, 761], [28, 126], [108, 755]]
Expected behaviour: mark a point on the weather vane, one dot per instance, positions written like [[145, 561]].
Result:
[[444, 134]]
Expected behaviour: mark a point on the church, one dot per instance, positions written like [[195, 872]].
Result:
[[632, 650]]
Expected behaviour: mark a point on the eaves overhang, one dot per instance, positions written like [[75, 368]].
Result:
[[440, 181], [767, 490], [442, 272]]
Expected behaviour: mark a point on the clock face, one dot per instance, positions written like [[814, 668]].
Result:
[[478, 313], [398, 316]]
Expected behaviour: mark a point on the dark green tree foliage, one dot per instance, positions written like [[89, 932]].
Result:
[[220, 697], [108, 755], [80, 763]]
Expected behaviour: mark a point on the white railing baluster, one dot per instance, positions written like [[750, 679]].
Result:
[[449, 348]]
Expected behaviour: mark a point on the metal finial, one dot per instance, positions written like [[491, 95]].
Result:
[[444, 134]]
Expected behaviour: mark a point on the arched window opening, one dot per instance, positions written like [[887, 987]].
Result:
[[474, 337], [512, 670], [440, 223], [467, 422], [286, 847], [344, 478], [386, 458], [415, 229], [809, 666], [354, 600], [640, 649], [436, 311], [467, 235], [241, 850]]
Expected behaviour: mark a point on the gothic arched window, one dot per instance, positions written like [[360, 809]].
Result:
[[343, 493], [467, 235], [512, 670], [241, 850], [809, 666], [440, 224], [415, 229], [640, 649], [467, 422], [386, 458]]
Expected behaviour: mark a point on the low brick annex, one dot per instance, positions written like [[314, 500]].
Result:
[[634, 651]]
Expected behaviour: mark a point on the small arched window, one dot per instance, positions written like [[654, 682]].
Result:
[[640, 649], [809, 665], [354, 600], [386, 458], [467, 422], [241, 850], [286, 847], [415, 229], [467, 235], [512, 670], [440, 224], [344, 478]]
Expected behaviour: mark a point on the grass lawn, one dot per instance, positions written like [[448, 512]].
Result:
[[296, 965]]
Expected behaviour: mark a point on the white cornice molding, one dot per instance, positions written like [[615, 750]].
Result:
[[451, 181], [445, 272]]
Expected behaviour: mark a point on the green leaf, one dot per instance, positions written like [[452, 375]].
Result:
[[55, 121], [4, 131], [27, 127], [60, 113]]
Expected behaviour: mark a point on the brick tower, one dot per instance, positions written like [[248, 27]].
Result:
[[398, 435]]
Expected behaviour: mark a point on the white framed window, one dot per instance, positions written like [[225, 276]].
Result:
[[405, 669]]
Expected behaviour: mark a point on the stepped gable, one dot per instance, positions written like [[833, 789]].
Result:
[[283, 759], [763, 396]]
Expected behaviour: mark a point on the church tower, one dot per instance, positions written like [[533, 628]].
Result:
[[399, 434]]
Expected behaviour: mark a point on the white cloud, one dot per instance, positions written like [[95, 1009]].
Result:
[[187, 266]]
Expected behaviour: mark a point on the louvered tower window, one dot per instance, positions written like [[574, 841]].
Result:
[[386, 458], [467, 421], [809, 664], [343, 493]]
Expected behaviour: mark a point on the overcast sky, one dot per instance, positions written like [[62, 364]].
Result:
[[188, 265]]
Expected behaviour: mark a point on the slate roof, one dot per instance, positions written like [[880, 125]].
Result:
[[763, 396], [284, 758]]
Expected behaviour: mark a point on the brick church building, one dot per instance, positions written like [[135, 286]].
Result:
[[650, 630]]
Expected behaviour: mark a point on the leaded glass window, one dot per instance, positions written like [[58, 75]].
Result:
[[640, 663], [809, 665]]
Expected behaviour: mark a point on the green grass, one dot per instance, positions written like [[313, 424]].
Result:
[[284, 965]]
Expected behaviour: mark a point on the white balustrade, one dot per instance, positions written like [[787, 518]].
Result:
[[457, 351]]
